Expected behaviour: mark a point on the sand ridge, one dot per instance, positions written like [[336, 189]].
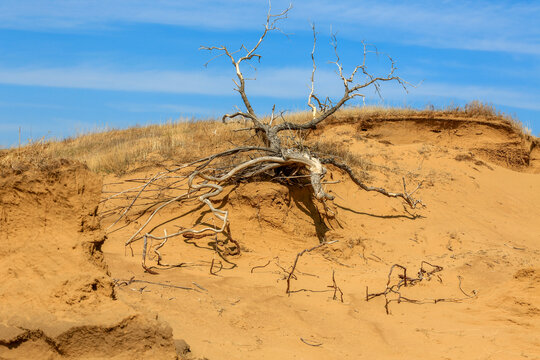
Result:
[[480, 224]]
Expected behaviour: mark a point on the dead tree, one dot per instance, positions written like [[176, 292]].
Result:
[[204, 181]]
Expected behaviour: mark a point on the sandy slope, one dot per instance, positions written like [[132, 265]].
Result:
[[481, 223], [56, 295]]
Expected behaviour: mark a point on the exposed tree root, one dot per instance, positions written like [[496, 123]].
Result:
[[291, 273], [204, 181], [405, 281]]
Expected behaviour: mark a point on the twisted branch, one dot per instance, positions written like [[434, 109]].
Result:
[[405, 281], [406, 196], [198, 180]]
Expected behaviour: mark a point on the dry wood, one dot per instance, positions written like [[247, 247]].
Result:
[[118, 282], [310, 343], [291, 273], [336, 288], [260, 266], [286, 155], [405, 281]]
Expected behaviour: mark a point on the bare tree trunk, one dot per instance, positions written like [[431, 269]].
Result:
[[207, 182]]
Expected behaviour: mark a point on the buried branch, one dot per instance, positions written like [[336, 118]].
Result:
[[338, 293], [293, 268], [204, 179], [336, 288], [404, 281]]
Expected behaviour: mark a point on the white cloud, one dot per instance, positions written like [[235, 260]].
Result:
[[479, 25], [106, 79], [507, 26], [183, 109], [58, 14], [437, 92], [285, 83], [514, 98], [279, 83], [30, 105]]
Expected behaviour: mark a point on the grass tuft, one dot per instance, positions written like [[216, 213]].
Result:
[[120, 151]]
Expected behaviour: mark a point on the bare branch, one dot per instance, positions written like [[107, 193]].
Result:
[[350, 88], [283, 156], [291, 273], [236, 114], [404, 195], [271, 25], [311, 93], [272, 116], [405, 281]]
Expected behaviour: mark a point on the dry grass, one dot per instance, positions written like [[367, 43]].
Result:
[[474, 110], [119, 151], [338, 150]]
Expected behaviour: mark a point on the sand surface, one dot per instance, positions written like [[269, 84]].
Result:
[[70, 289]]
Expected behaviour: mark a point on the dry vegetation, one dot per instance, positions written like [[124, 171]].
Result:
[[479, 226], [250, 194], [120, 151]]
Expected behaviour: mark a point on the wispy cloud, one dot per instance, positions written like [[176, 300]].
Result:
[[106, 79], [507, 26], [30, 105], [466, 92], [285, 83], [185, 110], [279, 83], [66, 14]]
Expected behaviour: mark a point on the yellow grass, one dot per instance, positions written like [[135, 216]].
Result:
[[473, 110], [118, 151]]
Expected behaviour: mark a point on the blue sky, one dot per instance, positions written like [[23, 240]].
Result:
[[67, 66]]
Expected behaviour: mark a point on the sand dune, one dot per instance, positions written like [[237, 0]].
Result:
[[69, 290]]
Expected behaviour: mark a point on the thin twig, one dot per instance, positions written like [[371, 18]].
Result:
[[287, 291], [336, 288], [310, 343], [119, 282], [212, 272], [260, 266], [404, 281]]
